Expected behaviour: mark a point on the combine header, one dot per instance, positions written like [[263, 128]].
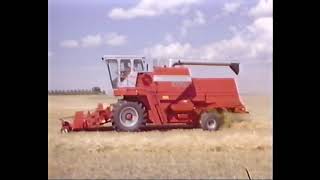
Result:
[[162, 96]]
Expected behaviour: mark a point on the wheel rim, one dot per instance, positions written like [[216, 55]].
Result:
[[129, 116], [212, 124]]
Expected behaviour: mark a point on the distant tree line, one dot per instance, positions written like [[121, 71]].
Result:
[[94, 90]]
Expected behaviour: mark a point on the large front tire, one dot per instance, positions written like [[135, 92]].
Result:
[[127, 116]]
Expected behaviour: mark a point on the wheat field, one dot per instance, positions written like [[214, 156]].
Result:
[[168, 153]]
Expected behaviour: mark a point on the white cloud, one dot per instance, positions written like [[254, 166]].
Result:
[[238, 48], [197, 20], [262, 27], [231, 7], [174, 49], [227, 9], [180, 11], [91, 41], [96, 40], [69, 44], [263, 8], [149, 8], [115, 39], [251, 43], [254, 43]]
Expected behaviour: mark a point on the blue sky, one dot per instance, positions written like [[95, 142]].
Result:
[[81, 32]]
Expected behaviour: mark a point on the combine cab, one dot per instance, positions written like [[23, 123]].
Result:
[[161, 96]]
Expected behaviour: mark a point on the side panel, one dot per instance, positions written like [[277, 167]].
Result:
[[222, 92]]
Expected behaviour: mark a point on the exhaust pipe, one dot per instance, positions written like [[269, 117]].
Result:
[[233, 66]]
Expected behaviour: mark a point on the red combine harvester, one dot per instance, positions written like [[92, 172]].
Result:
[[162, 96]]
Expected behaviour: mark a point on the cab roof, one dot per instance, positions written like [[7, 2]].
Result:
[[123, 56]]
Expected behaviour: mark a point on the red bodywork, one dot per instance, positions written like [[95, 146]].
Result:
[[170, 95]]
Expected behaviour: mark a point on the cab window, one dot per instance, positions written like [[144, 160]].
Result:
[[125, 69], [138, 66]]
